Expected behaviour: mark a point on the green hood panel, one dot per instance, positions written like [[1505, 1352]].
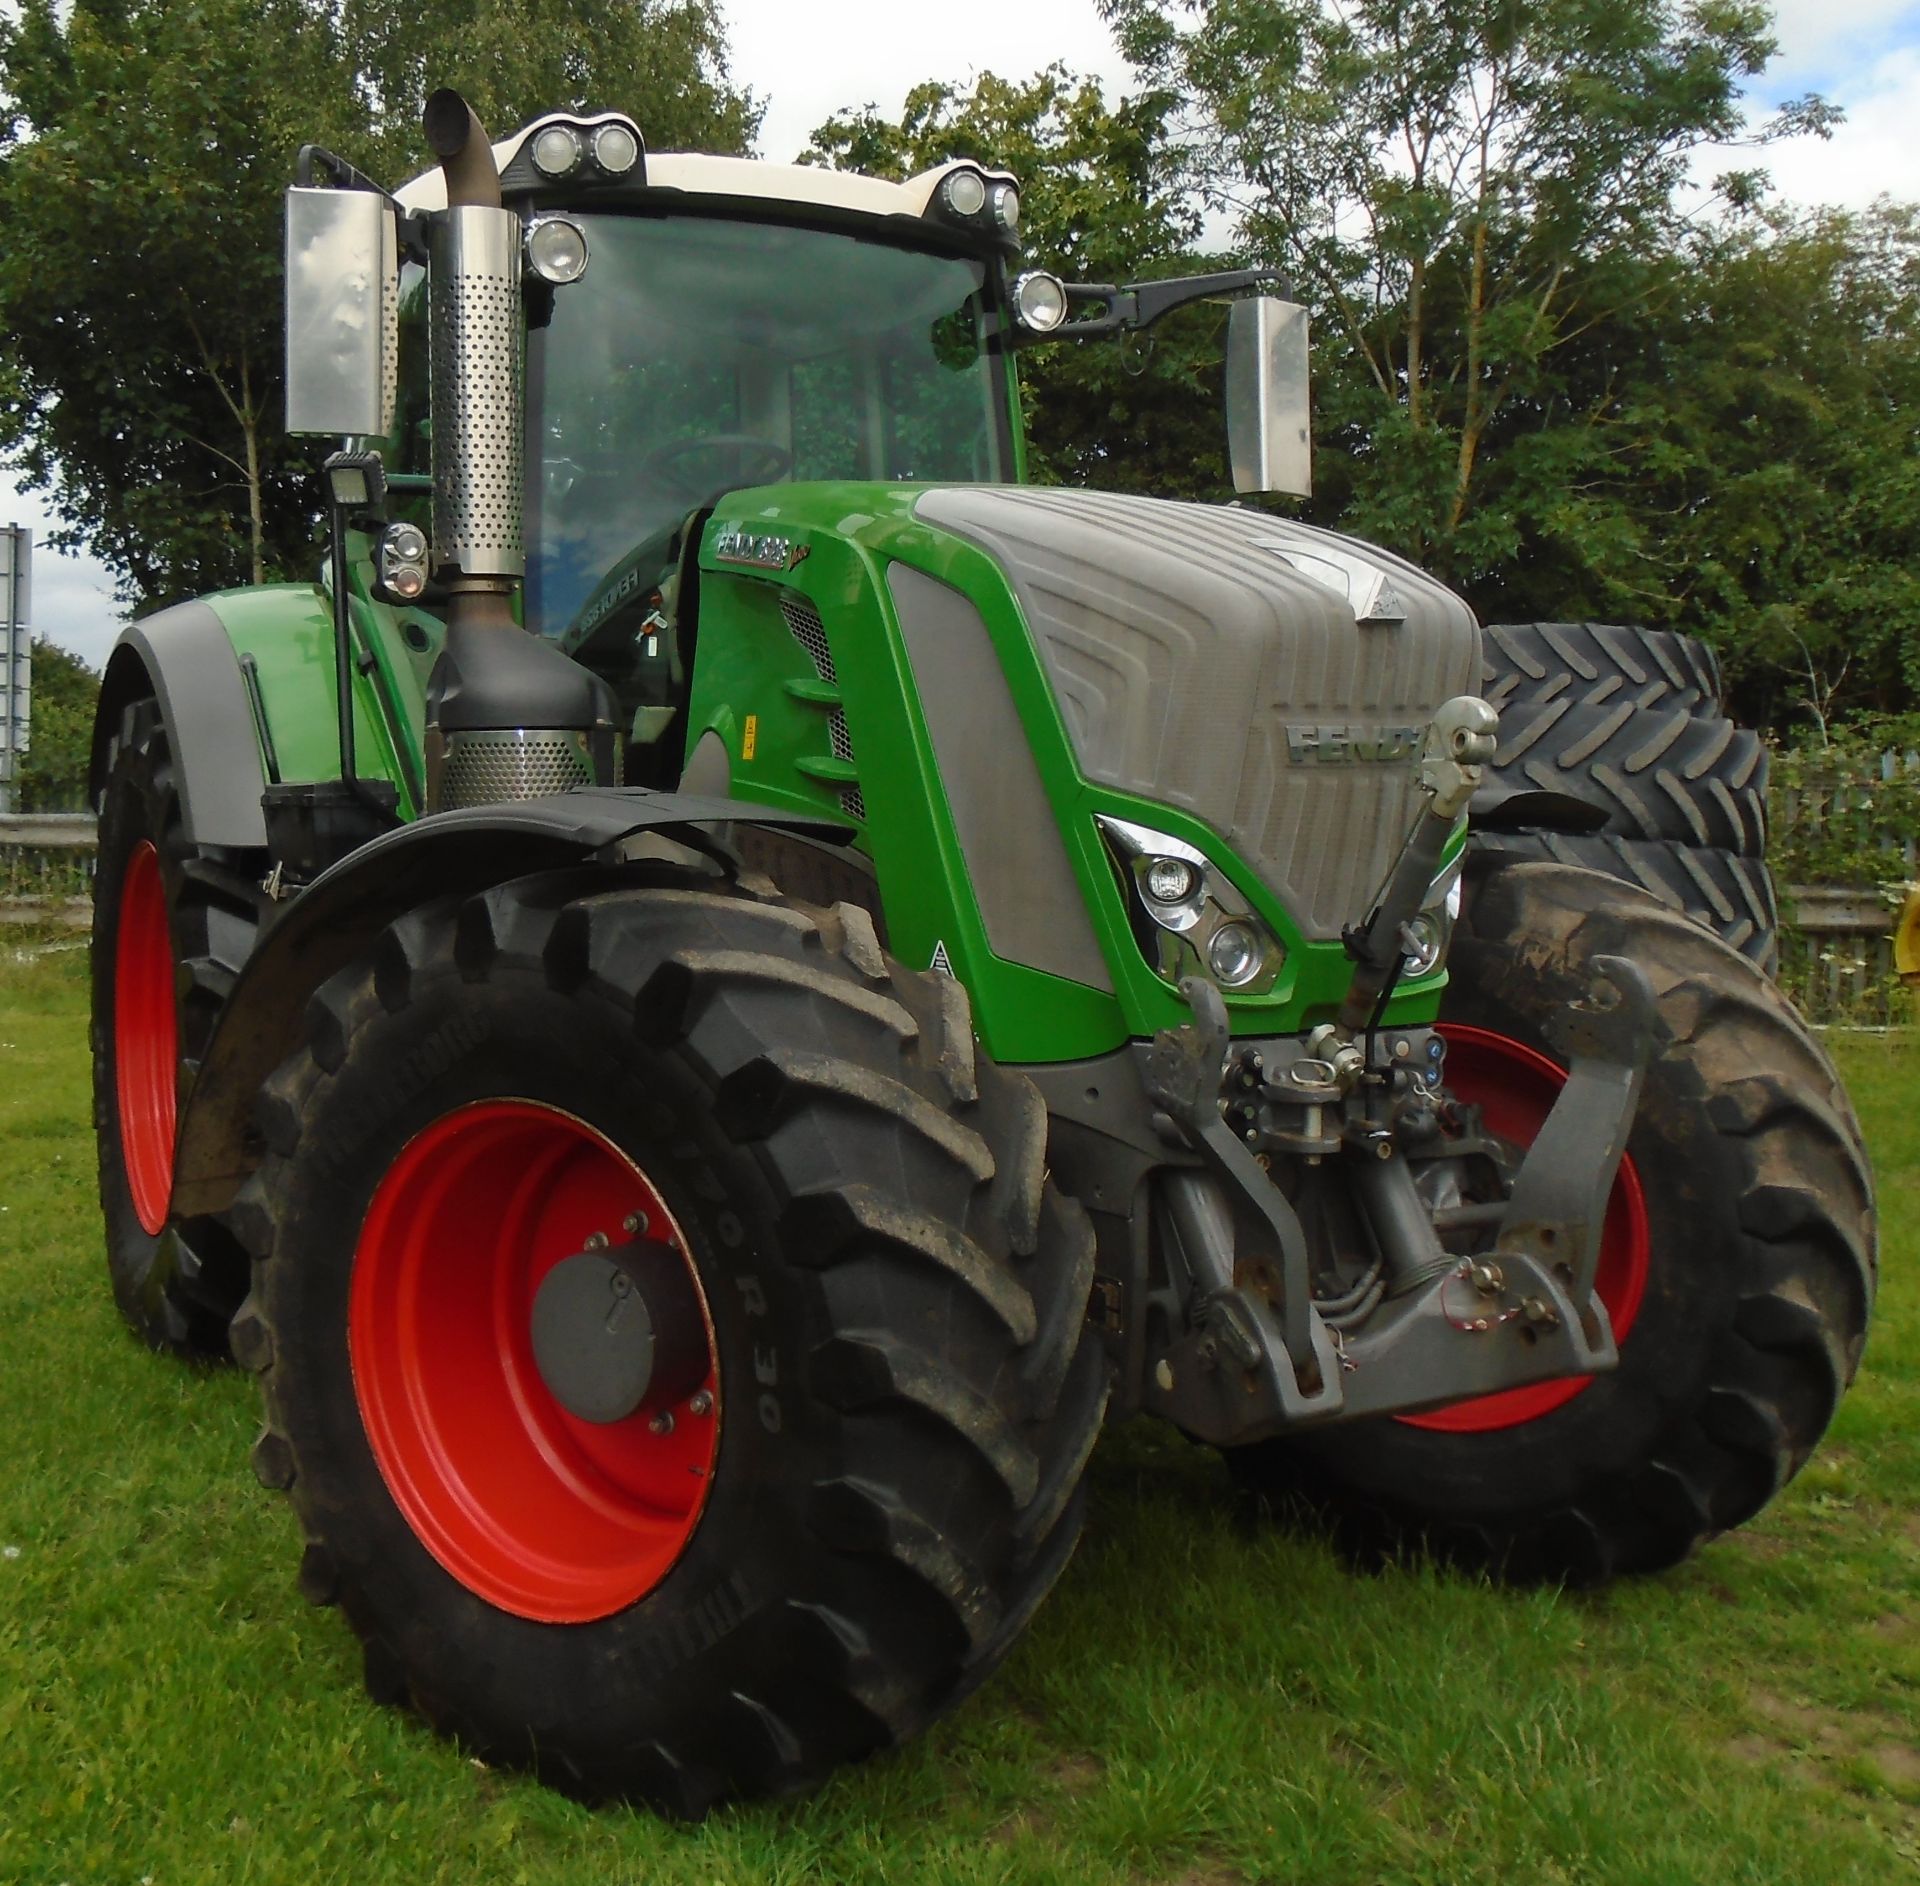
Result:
[[786, 565]]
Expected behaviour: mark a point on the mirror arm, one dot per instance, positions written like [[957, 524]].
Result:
[[1138, 305], [318, 167]]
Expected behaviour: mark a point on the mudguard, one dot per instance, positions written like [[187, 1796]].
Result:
[[1498, 808], [334, 921], [184, 658]]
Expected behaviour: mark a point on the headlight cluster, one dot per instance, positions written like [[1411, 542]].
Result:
[[1040, 301], [556, 249], [970, 196], [1186, 915], [564, 150]]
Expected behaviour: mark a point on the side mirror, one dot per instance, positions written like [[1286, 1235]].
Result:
[[343, 311], [1268, 436]]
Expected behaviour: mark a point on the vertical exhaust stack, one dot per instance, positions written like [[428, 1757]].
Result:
[[508, 716]]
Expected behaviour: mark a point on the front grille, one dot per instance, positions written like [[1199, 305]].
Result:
[[811, 633], [803, 621]]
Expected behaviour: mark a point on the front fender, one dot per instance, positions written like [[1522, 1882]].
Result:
[[337, 919], [184, 659]]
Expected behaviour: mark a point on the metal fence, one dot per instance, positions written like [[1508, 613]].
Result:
[[46, 866]]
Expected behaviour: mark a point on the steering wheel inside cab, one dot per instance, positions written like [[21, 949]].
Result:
[[697, 471]]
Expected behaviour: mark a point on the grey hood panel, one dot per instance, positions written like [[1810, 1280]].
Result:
[[1182, 645]]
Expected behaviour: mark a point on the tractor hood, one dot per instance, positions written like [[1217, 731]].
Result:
[[1273, 679]]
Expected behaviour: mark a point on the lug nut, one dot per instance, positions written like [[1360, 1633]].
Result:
[[700, 1403], [634, 1224], [596, 1241], [662, 1423], [1488, 1279]]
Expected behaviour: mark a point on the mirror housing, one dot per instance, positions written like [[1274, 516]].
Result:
[[1269, 436], [343, 311]]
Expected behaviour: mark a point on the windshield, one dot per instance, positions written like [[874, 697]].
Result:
[[697, 355]]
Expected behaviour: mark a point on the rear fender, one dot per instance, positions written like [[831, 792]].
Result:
[[336, 920]]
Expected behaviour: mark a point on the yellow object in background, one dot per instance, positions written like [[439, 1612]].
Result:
[[1906, 938]]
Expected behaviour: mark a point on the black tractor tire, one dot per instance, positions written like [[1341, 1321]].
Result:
[[190, 916], [1759, 1279], [1733, 896], [1597, 662], [1659, 772], [906, 1387]]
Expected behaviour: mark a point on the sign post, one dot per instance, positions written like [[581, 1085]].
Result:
[[16, 656]]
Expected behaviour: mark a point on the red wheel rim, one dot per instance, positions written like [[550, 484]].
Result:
[[146, 1038], [528, 1506], [1515, 1088]]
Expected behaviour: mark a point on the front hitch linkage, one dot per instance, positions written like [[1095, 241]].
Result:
[[1251, 1362]]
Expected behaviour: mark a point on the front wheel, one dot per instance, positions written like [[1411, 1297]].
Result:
[[172, 925], [671, 1341], [1737, 1263]]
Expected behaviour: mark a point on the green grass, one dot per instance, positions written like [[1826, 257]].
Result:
[[1200, 1702]]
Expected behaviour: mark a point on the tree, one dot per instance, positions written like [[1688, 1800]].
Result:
[[140, 275], [1478, 199], [1782, 483], [53, 775], [1099, 203]]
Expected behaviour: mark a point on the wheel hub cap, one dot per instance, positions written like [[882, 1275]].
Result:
[[616, 1332]]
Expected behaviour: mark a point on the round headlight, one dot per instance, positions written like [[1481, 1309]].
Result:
[[1428, 934], [965, 193], [556, 151], [1234, 954], [1006, 207], [1171, 880], [615, 149], [557, 249], [1040, 301]]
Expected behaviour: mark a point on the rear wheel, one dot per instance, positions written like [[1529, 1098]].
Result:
[[1657, 772], [1731, 895], [1738, 1264], [172, 925], [816, 1504], [1597, 662]]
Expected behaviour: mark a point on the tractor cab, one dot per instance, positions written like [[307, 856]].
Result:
[[702, 324], [586, 346]]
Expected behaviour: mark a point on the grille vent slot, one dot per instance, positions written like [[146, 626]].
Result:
[[803, 622]]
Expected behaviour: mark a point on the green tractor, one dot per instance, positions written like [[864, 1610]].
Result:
[[732, 981]]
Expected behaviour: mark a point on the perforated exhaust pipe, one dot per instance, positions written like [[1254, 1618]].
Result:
[[476, 349], [508, 716]]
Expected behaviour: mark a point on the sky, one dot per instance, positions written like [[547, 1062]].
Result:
[[807, 62]]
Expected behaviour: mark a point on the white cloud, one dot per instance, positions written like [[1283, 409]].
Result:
[[810, 62], [1874, 153], [1823, 38]]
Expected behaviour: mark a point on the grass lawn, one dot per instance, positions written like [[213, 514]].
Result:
[[1200, 1702]]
